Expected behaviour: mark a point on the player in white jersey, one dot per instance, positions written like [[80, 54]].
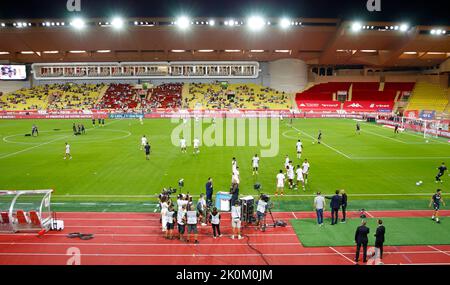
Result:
[[233, 165], [299, 148], [183, 145], [143, 141], [141, 120], [305, 170], [286, 162], [67, 153], [290, 175], [280, 183], [235, 179], [255, 164], [300, 178], [196, 146]]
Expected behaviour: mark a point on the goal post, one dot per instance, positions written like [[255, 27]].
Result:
[[25, 211], [431, 129]]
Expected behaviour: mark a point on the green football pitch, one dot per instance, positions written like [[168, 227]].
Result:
[[377, 168], [399, 231]]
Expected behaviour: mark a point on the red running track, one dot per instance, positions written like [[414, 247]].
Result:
[[136, 239]]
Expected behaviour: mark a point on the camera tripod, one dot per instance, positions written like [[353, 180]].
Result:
[[265, 225]]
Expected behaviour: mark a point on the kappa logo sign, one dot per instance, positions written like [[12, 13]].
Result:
[[355, 105]]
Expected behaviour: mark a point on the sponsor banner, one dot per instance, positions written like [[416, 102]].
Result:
[[411, 114], [52, 116], [319, 105], [427, 115], [125, 116], [367, 106]]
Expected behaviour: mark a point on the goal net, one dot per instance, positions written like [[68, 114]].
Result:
[[25, 211], [429, 128]]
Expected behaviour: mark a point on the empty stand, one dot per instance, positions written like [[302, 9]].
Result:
[[428, 96]]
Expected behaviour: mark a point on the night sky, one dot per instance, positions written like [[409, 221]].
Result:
[[434, 12]]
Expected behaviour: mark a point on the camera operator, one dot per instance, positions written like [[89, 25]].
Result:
[[261, 210], [234, 191]]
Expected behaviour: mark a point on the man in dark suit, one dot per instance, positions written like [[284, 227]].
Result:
[[379, 239], [361, 239], [335, 204]]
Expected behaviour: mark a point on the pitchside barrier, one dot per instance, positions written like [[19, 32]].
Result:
[[26, 211]]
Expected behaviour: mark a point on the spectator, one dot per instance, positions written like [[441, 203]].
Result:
[[335, 204], [343, 205], [361, 239], [209, 192], [379, 239], [319, 206]]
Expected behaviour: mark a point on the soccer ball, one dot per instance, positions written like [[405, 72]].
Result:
[[313, 142], [419, 183], [427, 141]]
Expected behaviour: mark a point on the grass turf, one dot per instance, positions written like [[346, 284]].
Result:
[[107, 161], [399, 231]]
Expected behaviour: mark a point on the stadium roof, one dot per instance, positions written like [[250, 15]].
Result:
[[317, 41]]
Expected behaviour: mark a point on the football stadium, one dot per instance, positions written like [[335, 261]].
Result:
[[257, 139]]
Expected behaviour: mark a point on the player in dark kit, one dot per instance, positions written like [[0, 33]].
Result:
[[103, 122], [436, 201], [442, 170], [358, 128], [93, 122], [396, 129], [319, 138], [34, 131], [147, 151]]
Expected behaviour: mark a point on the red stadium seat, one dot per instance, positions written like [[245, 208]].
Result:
[[5, 218], [21, 218], [35, 219]]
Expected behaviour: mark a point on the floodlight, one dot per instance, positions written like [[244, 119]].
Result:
[[356, 26], [212, 22], [117, 23], [78, 23], [285, 23], [183, 22], [256, 23], [404, 27]]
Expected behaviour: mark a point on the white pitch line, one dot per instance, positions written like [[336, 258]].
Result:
[[33, 147], [402, 158], [294, 215], [369, 214], [383, 136], [341, 254], [330, 147]]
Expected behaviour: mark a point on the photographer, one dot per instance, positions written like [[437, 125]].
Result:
[[202, 209], [164, 209], [261, 209], [236, 220]]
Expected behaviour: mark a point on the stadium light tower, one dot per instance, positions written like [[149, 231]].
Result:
[[256, 23], [285, 23], [183, 22], [78, 23], [356, 27], [117, 23]]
